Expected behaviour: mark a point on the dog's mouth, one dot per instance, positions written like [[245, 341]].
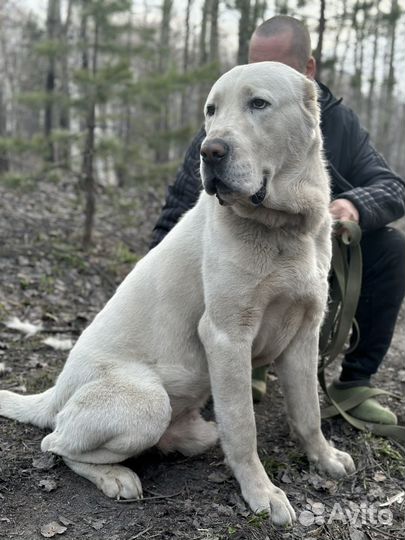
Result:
[[224, 193], [216, 186], [260, 195]]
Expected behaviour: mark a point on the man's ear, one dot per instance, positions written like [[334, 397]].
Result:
[[310, 68]]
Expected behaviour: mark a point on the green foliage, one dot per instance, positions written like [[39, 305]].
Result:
[[112, 63], [100, 87], [124, 255], [273, 466], [159, 85], [20, 146], [51, 48], [258, 519], [17, 180]]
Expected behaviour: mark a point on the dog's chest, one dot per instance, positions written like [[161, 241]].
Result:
[[280, 322]]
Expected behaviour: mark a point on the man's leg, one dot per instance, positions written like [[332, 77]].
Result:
[[382, 292]]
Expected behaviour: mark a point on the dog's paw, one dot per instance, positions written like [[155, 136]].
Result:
[[272, 501], [336, 463], [119, 483]]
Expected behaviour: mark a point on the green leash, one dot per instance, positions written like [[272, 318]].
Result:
[[344, 296]]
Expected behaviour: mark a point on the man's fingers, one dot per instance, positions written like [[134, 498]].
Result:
[[344, 210]]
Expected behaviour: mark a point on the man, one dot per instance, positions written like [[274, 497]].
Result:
[[364, 190]]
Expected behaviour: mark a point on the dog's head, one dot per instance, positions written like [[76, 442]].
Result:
[[262, 126]]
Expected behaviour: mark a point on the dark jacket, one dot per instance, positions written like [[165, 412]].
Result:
[[359, 173]]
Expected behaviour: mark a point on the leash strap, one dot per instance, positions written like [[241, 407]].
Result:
[[340, 319]]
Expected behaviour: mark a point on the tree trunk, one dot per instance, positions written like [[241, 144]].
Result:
[[203, 33], [258, 13], [341, 25], [343, 60], [52, 27], [214, 55], [89, 183], [4, 161], [371, 91], [356, 80], [162, 149], [64, 115], [321, 32], [125, 130], [184, 111], [385, 135], [244, 31], [186, 48]]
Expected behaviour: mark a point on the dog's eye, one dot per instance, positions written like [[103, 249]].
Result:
[[257, 103], [210, 110]]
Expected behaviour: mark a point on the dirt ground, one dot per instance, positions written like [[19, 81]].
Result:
[[45, 278]]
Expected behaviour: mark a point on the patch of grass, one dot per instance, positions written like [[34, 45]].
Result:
[[17, 181], [258, 519], [298, 459], [41, 381], [24, 282], [3, 311], [124, 255], [393, 458], [69, 255], [46, 283], [273, 466]]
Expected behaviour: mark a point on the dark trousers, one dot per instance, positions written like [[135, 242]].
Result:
[[382, 291]]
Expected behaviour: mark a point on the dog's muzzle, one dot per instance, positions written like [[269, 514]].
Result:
[[214, 154]]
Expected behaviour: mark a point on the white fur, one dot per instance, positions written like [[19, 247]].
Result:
[[228, 286]]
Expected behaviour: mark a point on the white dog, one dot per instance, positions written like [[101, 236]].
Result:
[[242, 278]]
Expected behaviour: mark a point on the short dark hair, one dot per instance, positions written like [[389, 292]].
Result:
[[301, 41]]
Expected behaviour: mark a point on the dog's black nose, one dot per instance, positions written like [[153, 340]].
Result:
[[213, 151]]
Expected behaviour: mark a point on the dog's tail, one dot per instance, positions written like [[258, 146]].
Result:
[[37, 409]]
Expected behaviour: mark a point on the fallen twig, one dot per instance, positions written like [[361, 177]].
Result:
[[155, 496], [141, 533]]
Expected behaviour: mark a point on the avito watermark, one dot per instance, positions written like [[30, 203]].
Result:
[[353, 514]]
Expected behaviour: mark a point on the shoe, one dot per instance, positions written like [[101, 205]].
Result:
[[259, 385], [369, 411]]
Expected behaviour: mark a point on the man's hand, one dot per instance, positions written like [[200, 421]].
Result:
[[344, 210]]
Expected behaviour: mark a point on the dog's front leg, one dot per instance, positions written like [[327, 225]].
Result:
[[297, 369], [229, 359]]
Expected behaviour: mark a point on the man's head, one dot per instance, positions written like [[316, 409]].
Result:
[[283, 39]]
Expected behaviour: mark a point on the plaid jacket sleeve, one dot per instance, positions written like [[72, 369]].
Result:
[[183, 194], [378, 193]]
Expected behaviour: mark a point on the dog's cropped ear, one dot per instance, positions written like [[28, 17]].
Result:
[[310, 99]]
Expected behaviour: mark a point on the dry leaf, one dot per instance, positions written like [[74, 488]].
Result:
[[45, 462], [379, 477], [48, 484], [53, 528], [58, 344], [218, 477], [25, 327], [20, 388], [98, 524], [399, 497], [285, 478], [356, 534], [65, 521]]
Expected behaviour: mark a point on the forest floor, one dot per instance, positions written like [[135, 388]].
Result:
[[47, 279]]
